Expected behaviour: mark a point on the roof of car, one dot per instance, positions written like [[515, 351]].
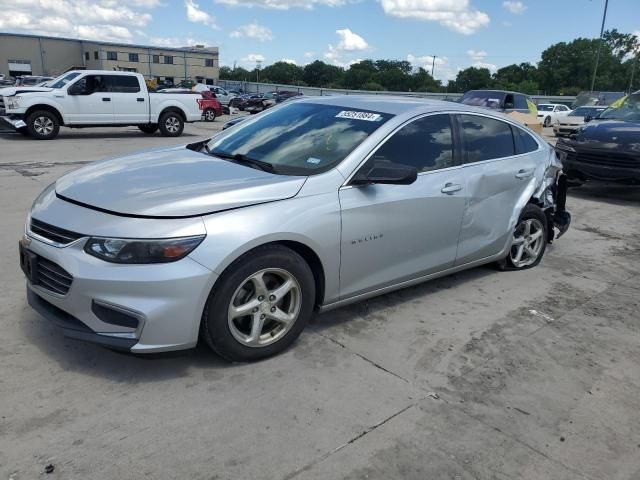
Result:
[[392, 104]]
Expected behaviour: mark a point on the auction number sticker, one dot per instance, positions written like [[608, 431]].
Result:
[[366, 116]]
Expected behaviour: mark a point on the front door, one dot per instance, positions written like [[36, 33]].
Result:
[[91, 105], [392, 233]]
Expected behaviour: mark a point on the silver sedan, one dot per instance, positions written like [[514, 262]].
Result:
[[314, 204]]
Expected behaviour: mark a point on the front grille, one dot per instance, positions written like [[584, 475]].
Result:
[[605, 159], [53, 234], [52, 277]]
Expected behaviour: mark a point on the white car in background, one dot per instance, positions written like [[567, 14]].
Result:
[[569, 124], [223, 96], [551, 113]]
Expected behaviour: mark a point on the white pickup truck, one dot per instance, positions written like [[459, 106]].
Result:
[[96, 98]]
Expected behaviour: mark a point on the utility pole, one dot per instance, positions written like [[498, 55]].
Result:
[[595, 68], [258, 65], [433, 65]]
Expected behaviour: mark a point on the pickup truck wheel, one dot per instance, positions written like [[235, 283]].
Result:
[[43, 125], [259, 305], [171, 124], [209, 115], [148, 129]]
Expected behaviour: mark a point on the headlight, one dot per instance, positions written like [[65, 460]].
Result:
[[13, 102], [124, 250]]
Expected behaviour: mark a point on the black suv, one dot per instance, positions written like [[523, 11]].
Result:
[[501, 100]]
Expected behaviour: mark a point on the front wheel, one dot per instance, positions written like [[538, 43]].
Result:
[[171, 124], [259, 305], [529, 240], [43, 125], [547, 121]]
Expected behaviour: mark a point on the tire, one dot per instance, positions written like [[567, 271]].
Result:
[[209, 115], [43, 125], [149, 129], [232, 335], [520, 257], [171, 124], [23, 131], [547, 121]]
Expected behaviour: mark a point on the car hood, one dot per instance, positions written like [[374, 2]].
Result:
[[610, 135], [172, 183], [10, 91]]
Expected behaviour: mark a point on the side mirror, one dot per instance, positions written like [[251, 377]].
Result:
[[385, 173], [77, 89], [588, 118]]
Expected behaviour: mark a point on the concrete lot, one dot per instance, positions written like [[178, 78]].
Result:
[[481, 375]]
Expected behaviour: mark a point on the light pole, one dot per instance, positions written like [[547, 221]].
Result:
[[258, 65], [433, 65], [595, 67]]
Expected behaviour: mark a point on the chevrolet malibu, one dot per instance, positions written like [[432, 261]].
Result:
[[309, 206]]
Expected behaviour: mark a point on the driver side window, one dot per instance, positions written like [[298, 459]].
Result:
[[425, 144], [91, 84]]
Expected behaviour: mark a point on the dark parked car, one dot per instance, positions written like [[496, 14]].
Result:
[[233, 122], [243, 101], [283, 95], [608, 147], [501, 100], [601, 99]]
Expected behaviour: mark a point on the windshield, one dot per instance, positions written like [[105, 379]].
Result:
[[545, 108], [63, 79], [629, 111], [483, 99], [300, 138]]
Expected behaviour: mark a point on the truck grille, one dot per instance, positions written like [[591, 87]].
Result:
[[53, 234], [52, 277], [604, 159]]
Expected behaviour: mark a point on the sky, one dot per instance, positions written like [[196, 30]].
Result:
[[459, 33]]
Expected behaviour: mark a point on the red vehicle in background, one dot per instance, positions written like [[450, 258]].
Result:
[[210, 106]]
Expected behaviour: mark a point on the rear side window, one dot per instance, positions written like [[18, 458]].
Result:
[[426, 144], [486, 138], [122, 84], [525, 143]]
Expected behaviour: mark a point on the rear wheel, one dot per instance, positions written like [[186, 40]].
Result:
[[171, 124], [209, 115], [149, 128], [259, 305], [547, 121], [529, 240], [43, 125]]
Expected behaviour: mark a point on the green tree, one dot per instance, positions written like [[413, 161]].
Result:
[[320, 74], [282, 72], [359, 74], [621, 44], [473, 78]]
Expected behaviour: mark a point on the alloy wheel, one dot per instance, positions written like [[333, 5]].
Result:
[[172, 124], [210, 115], [43, 126], [527, 242], [264, 307]]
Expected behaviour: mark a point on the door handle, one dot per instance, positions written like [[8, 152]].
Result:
[[140, 99], [106, 99], [450, 188], [523, 174]]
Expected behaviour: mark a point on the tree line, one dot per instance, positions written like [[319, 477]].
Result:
[[565, 68]]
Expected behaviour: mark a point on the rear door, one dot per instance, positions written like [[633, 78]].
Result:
[[497, 173], [93, 106], [130, 100], [392, 233]]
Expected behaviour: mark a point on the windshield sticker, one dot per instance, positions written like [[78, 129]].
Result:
[[313, 161], [495, 100], [366, 116]]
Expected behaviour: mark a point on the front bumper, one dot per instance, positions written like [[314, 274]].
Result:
[[14, 120], [166, 300], [564, 130], [584, 166]]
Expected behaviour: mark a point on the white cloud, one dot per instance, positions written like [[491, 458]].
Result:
[[96, 20], [490, 66], [515, 7], [309, 54], [477, 55], [442, 70], [253, 30], [289, 60], [251, 60], [196, 15], [282, 4], [457, 15], [350, 41]]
